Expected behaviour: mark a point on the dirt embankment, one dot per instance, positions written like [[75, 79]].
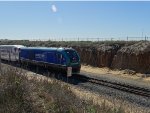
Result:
[[100, 56], [134, 57]]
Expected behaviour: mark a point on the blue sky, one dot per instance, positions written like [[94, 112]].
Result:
[[57, 20]]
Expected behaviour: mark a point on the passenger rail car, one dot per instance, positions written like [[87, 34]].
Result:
[[10, 52]]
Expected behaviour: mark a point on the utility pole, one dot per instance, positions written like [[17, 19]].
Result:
[[127, 38], [145, 38]]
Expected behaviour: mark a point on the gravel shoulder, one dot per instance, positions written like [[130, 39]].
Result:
[[116, 76]]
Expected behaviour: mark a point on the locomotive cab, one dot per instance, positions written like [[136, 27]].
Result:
[[68, 57], [73, 60]]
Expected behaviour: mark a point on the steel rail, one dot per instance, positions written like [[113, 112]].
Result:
[[119, 86]]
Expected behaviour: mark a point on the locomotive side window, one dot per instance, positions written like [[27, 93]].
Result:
[[72, 56]]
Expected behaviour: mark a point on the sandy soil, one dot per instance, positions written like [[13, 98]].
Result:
[[116, 73]]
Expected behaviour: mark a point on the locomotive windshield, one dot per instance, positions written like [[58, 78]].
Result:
[[72, 55]]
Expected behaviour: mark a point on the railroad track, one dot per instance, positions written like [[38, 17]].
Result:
[[119, 86]]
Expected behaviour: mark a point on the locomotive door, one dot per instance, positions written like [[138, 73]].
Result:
[[59, 57]]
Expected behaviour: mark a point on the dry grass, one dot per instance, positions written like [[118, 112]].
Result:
[[117, 73], [19, 94], [14, 92]]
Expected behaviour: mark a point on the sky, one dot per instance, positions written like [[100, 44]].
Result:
[[72, 20]]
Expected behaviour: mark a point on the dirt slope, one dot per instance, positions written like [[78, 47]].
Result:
[[135, 57], [99, 56]]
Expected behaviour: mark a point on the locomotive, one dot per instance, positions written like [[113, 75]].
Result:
[[55, 59]]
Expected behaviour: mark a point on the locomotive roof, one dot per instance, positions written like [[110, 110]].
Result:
[[46, 48]]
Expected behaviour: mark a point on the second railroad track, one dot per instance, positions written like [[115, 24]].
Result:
[[116, 85]]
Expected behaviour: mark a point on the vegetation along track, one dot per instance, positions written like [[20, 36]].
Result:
[[116, 85], [120, 86]]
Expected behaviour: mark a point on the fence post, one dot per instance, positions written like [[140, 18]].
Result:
[[127, 38]]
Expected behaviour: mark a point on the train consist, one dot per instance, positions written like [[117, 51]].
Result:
[[55, 59]]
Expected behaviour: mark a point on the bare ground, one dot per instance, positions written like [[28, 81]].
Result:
[[116, 73]]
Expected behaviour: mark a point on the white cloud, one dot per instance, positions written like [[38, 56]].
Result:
[[54, 8]]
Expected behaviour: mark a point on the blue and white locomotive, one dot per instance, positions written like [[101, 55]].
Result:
[[57, 59]]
